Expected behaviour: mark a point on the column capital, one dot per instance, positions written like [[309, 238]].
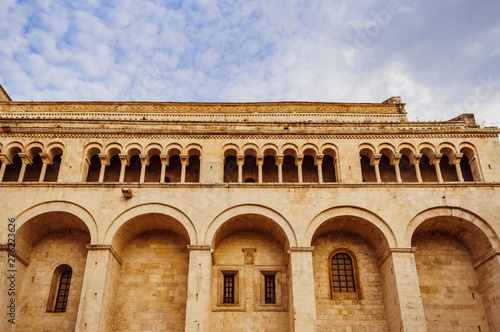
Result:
[[390, 251], [299, 159], [184, 159], [25, 158], [104, 159], [46, 158], [301, 249], [415, 160], [457, 159], [436, 159], [395, 159], [144, 159], [5, 159], [259, 160], [319, 159], [375, 160], [240, 159], [124, 159], [164, 159], [279, 159]]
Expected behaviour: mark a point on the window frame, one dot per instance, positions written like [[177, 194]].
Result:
[[280, 294], [55, 286], [357, 294]]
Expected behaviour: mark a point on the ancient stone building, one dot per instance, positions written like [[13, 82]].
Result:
[[287, 216]]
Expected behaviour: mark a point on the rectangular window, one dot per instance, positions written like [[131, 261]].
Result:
[[270, 290], [229, 288]]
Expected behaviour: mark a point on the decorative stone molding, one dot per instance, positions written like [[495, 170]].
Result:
[[105, 247]]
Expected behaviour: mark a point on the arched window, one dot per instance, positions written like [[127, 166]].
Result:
[[59, 290], [63, 292], [343, 274]]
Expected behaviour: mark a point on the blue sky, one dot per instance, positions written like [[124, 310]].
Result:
[[442, 57]]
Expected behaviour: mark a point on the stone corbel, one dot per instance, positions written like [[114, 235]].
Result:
[[279, 159], [415, 160], [164, 159], [259, 160], [184, 159], [457, 159]]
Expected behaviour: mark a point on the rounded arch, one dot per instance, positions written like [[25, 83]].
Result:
[[427, 149], [12, 149], [309, 149], [474, 232], [62, 214], [289, 149], [227, 215], [366, 149], [270, 149], [382, 235], [132, 149], [468, 149], [329, 149], [92, 149], [250, 149], [55, 148], [230, 149], [33, 148], [386, 148], [447, 145], [173, 149], [193, 149], [119, 232], [153, 149]]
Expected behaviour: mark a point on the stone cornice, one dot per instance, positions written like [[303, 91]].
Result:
[[168, 107]]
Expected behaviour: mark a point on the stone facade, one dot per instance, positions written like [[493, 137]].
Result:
[[234, 217]]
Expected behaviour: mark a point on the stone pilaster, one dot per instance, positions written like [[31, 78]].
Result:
[[488, 271], [403, 302], [96, 308], [301, 290], [199, 287]]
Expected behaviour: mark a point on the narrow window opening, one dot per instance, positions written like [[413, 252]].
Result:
[[63, 292], [229, 288], [270, 290]]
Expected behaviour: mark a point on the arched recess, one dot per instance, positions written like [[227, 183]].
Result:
[[276, 223], [473, 231], [451, 241], [50, 234], [355, 220], [81, 219], [151, 241], [145, 217]]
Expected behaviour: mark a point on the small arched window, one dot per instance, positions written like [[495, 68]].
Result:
[[59, 290], [343, 274]]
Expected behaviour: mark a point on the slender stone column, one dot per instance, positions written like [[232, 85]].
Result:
[[298, 163], [279, 163], [46, 160], [416, 163], [240, 160], [184, 164], [435, 161], [301, 291], [375, 162], [259, 161], [199, 289], [403, 303], [318, 162], [26, 160], [144, 163], [164, 164], [395, 162], [95, 313], [5, 161], [104, 162], [124, 163], [456, 162]]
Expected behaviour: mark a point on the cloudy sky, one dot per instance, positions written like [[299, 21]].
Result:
[[441, 56]]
